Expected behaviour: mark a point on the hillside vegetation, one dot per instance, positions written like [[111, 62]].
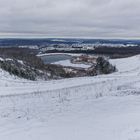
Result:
[[24, 63]]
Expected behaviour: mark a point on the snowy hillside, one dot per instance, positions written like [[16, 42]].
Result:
[[105, 107]]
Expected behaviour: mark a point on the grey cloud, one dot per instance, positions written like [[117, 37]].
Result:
[[70, 18]]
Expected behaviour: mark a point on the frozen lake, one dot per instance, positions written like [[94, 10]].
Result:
[[52, 58]]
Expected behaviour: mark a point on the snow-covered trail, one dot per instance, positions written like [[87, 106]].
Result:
[[71, 109]]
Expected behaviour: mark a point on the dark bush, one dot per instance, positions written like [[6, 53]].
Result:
[[103, 66]]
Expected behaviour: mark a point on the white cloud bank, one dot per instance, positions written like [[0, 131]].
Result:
[[70, 18]]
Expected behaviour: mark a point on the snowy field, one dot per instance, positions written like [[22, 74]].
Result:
[[105, 107], [69, 64]]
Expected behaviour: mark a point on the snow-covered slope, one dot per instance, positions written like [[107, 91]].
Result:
[[73, 109]]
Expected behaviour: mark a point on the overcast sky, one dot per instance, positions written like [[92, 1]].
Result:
[[70, 18]]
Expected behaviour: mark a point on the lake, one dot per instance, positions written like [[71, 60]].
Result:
[[52, 58]]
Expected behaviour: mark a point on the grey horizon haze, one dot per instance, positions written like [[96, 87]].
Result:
[[70, 18]]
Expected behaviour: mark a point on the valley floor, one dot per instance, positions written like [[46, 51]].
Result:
[[106, 107]]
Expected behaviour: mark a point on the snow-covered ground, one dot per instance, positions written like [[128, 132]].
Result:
[[69, 64], [71, 54], [105, 107]]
